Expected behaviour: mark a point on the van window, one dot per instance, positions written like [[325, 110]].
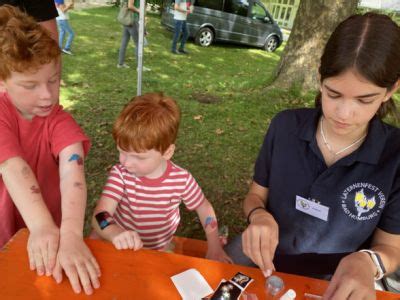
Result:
[[212, 4], [237, 7], [259, 13]]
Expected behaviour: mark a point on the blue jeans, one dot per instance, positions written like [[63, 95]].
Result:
[[64, 27], [127, 33], [180, 26], [235, 251]]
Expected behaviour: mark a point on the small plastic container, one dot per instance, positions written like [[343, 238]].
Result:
[[274, 285], [289, 295]]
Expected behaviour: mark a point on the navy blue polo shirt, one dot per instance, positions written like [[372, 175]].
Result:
[[362, 190]]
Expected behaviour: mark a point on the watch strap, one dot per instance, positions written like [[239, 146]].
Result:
[[252, 211], [377, 260]]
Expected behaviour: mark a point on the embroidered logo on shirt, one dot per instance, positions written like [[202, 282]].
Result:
[[362, 201]]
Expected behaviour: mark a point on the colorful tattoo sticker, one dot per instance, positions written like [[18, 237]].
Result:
[[104, 219], [210, 222], [76, 157]]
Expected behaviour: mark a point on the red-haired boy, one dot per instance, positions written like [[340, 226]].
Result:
[[42, 182], [140, 202]]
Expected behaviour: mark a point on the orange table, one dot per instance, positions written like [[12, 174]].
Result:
[[144, 274]]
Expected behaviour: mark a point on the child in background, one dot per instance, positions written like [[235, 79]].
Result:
[[63, 26], [140, 202], [42, 182]]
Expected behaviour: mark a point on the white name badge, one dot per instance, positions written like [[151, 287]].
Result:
[[312, 208]]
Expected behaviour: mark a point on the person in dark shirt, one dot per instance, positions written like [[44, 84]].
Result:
[[325, 197], [43, 11]]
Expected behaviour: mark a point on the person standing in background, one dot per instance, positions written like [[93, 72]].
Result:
[[64, 26], [182, 9], [43, 11], [128, 32]]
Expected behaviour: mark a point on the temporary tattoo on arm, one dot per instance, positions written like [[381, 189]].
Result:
[[76, 157], [25, 172], [104, 219], [78, 185], [35, 190], [210, 223]]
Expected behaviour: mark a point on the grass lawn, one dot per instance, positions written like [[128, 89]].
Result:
[[218, 141]]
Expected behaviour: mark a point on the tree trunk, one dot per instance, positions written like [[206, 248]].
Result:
[[314, 22]]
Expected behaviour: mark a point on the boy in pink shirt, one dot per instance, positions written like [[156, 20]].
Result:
[[42, 182], [140, 201]]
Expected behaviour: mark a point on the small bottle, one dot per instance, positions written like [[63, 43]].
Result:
[[289, 295], [223, 234], [274, 285]]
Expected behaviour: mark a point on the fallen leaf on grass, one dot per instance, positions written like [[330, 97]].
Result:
[[198, 117], [219, 131]]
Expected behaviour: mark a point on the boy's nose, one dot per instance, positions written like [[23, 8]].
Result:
[[45, 93]]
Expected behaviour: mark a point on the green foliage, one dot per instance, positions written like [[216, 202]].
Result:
[[225, 107]]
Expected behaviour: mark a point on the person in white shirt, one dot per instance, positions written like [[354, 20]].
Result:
[[64, 26], [182, 9]]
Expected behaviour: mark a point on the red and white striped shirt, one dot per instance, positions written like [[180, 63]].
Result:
[[151, 206]]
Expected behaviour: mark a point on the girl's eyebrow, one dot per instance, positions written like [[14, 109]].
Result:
[[360, 96]]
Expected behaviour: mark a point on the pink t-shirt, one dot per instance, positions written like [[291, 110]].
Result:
[[38, 142], [151, 206]]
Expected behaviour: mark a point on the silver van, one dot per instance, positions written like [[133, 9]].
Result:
[[239, 21]]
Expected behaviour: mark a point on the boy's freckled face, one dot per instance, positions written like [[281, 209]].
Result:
[[34, 94], [150, 163]]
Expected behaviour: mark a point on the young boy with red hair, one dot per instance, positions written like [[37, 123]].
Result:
[[140, 202], [42, 182]]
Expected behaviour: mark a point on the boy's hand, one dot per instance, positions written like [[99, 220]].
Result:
[[217, 253], [42, 249], [127, 240], [78, 262]]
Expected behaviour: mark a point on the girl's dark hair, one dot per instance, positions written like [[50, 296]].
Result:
[[369, 44]]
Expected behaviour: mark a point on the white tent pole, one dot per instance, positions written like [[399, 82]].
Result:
[[140, 47]]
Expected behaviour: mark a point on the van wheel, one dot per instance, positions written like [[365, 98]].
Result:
[[204, 37], [271, 44]]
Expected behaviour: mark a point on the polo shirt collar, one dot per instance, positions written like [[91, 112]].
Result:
[[369, 152]]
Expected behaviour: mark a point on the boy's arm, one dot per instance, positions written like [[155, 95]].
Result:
[[108, 205], [24, 190], [208, 219], [74, 256], [121, 238]]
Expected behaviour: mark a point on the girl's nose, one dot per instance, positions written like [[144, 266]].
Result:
[[344, 110]]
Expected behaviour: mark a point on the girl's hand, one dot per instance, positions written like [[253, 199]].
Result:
[[127, 240], [42, 249], [78, 262], [260, 239], [353, 279]]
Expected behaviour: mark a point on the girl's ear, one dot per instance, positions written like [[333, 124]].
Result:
[[169, 152], [392, 91]]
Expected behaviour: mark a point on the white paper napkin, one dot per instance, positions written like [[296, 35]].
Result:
[[191, 285]]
